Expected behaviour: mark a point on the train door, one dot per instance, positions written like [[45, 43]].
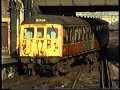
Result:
[[41, 47], [27, 40], [4, 37], [54, 40]]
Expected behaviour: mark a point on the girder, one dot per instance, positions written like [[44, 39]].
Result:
[[75, 2]]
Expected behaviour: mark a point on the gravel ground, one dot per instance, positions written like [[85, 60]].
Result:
[[89, 78]]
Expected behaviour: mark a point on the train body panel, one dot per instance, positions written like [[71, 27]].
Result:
[[48, 40], [71, 49], [60, 37], [41, 40]]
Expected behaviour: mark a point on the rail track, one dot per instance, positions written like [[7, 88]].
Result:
[[37, 81], [78, 75], [106, 81]]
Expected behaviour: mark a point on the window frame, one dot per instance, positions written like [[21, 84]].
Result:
[[42, 32], [55, 32], [33, 32]]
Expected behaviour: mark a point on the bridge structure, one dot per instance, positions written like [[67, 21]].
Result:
[[109, 16], [69, 7], [75, 2]]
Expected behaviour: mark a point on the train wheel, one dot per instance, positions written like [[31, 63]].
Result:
[[56, 72], [25, 69], [63, 66], [33, 72], [86, 61]]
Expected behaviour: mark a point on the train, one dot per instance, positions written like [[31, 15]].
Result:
[[51, 42], [54, 43]]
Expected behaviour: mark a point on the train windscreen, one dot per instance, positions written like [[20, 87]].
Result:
[[52, 33], [28, 33], [40, 32]]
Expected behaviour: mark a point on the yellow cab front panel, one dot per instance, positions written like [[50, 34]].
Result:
[[41, 40]]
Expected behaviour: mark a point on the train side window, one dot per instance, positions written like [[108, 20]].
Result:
[[68, 34], [98, 28], [79, 34], [92, 35], [83, 34], [72, 35], [75, 35], [40, 32], [89, 33], [84, 30], [52, 33], [64, 35], [28, 33]]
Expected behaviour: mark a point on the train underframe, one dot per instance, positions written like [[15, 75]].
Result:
[[53, 65], [57, 65]]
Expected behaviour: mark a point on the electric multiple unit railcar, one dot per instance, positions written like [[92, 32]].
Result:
[[55, 42]]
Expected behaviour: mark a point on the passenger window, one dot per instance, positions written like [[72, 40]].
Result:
[[40, 32], [72, 35], [92, 35], [86, 33], [82, 34], [28, 33], [79, 33], [89, 33], [65, 36], [52, 33]]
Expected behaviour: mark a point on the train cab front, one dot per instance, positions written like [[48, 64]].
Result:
[[41, 41]]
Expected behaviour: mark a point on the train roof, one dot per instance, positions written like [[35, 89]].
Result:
[[54, 19], [96, 21]]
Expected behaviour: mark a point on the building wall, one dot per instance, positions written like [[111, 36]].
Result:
[[5, 8], [6, 19]]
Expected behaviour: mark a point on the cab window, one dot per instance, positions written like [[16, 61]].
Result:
[[40, 32], [28, 33], [52, 33]]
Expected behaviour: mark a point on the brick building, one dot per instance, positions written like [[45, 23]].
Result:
[[5, 26]]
